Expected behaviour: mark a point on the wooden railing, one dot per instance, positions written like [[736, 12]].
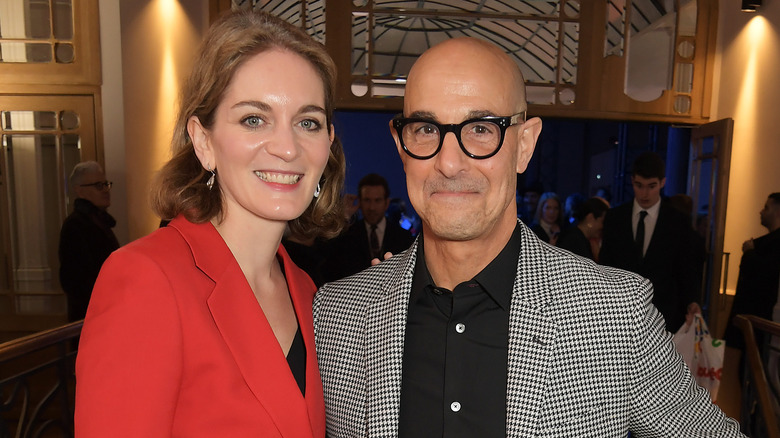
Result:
[[37, 383], [760, 390]]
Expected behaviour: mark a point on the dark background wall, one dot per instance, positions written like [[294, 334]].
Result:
[[571, 156]]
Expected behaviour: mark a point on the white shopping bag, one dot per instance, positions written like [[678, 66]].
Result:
[[702, 353]]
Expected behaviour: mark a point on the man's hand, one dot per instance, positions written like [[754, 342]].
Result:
[[693, 309], [350, 205], [375, 261], [748, 245]]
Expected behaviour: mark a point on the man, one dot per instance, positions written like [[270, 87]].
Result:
[[650, 237], [370, 237], [86, 238], [759, 272], [479, 329]]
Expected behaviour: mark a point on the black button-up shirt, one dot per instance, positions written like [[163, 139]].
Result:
[[455, 351]]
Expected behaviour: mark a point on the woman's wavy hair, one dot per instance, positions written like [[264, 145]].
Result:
[[180, 186]]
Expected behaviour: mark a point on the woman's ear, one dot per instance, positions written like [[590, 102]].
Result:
[[201, 143]]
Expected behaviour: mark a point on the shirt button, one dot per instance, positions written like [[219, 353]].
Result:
[[460, 327], [455, 406]]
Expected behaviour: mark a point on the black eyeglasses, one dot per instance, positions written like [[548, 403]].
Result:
[[100, 185], [479, 138]]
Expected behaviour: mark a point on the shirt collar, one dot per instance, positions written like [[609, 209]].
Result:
[[497, 279], [652, 211]]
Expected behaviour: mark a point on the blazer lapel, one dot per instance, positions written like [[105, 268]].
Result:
[[245, 330], [384, 339], [532, 337], [302, 293]]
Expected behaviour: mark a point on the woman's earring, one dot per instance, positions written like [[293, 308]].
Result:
[[210, 182], [317, 191]]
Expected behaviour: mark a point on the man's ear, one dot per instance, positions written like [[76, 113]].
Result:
[[663, 183], [526, 142], [200, 143]]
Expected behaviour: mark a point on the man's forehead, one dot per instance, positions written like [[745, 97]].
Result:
[[639, 179]]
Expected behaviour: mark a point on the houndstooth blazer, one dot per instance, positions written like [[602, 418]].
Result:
[[588, 353]]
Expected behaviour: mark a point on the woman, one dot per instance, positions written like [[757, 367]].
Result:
[[590, 223], [547, 224], [204, 327]]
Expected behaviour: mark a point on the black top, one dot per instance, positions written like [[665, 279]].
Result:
[[296, 359], [574, 240], [671, 261], [86, 241], [455, 352], [757, 284]]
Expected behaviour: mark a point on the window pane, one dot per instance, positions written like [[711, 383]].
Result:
[[28, 120], [63, 19], [25, 52], [25, 19], [64, 53]]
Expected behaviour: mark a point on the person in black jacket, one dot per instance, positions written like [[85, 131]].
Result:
[[367, 238], [759, 273], [86, 238], [650, 237], [589, 225]]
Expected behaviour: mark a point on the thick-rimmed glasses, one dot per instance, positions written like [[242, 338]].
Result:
[[100, 185], [479, 138]]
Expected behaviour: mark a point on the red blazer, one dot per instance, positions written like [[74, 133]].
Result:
[[175, 344]]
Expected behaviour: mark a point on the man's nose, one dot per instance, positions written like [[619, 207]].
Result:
[[450, 160]]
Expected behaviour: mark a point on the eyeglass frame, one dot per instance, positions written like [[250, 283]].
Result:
[[100, 185], [503, 123]]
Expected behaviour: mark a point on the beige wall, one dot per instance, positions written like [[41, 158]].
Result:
[[746, 89], [157, 40]]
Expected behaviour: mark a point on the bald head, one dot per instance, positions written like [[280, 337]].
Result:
[[473, 59]]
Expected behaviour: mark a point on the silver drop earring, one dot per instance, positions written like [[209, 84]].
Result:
[[317, 191], [210, 182]]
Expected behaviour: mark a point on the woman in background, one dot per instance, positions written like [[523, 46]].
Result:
[[547, 223], [204, 327], [589, 225]]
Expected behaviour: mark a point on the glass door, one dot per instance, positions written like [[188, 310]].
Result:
[[42, 138], [708, 183]]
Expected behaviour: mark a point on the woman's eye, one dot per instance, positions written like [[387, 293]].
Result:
[[252, 121], [310, 125]]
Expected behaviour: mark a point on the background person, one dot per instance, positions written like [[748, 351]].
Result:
[[86, 238], [759, 273], [548, 220], [650, 237], [204, 327], [589, 223], [367, 238]]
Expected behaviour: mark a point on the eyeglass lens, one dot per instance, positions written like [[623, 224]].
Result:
[[479, 138], [100, 185]]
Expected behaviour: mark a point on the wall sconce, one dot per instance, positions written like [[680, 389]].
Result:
[[751, 5]]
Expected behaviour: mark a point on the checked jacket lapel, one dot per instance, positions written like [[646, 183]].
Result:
[[385, 333], [532, 337]]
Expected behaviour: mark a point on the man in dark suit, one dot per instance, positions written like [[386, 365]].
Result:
[[759, 273], [650, 237], [480, 329], [86, 238], [370, 237]]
